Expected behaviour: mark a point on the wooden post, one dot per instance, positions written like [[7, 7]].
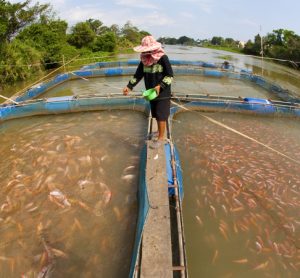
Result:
[[64, 64]]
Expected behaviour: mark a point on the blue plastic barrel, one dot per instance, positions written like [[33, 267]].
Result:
[[257, 100], [260, 105]]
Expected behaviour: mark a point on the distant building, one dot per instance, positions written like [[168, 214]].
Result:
[[241, 44]]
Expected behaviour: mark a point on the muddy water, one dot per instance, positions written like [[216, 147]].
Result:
[[242, 199], [181, 85], [68, 188], [101, 86], [218, 87], [284, 76], [287, 77]]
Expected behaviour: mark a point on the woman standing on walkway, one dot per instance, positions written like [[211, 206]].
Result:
[[158, 74]]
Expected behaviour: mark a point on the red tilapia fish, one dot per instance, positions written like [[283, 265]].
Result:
[[59, 198]]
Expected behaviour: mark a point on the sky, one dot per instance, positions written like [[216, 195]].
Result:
[[198, 19]]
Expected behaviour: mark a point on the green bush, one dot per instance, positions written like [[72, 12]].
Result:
[[106, 42], [18, 62], [82, 35]]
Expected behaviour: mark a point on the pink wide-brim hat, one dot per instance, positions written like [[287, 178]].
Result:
[[148, 44]]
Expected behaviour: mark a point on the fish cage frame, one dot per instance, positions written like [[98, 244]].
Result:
[[26, 107], [180, 67]]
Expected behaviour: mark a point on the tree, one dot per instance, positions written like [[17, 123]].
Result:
[[185, 40], [82, 35], [143, 33], [18, 61], [106, 42], [95, 25], [115, 29], [283, 44], [253, 48], [43, 34], [248, 47], [32, 39], [229, 42], [257, 45], [165, 40], [281, 37], [217, 41], [131, 32], [48, 37], [15, 17]]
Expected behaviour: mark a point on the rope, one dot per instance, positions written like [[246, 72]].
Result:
[[9, 99], [240, 133], [57, 62], [34, 83], [278, 221], [117, 88], [80, 76]]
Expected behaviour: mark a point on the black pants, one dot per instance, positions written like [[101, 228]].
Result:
[[160, 109]]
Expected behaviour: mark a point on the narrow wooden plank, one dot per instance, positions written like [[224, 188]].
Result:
[[156, 244]]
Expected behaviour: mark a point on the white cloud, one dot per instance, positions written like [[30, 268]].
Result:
[[153, 19], [80, 13], [136, 4]]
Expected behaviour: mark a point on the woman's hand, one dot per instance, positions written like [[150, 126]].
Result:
[[157, 89], [126, 91]]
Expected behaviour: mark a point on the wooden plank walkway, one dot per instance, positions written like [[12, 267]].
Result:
[[156, 260]]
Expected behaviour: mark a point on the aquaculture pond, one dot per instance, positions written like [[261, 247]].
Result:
[[68, 189], [68, 183], [110, 86], [242, 194]]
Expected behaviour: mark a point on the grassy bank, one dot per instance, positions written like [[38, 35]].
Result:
[[81, 58]]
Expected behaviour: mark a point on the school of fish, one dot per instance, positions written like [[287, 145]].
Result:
[[242, 201], [68, 203]]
